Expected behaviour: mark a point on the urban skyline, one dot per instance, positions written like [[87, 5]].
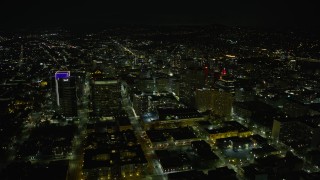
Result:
[[165, 94]]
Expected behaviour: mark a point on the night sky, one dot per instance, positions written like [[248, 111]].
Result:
[[227, 12]]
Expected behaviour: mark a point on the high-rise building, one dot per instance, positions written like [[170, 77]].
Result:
[[106, 97], [190, 80], [292, 65], [175, 86], [225, 84], [218, 102], [276, 129], [65, 85], [293, 133], [162, 84], [141, 104], [147, 85]]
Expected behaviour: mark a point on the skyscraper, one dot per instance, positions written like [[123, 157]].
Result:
[[66, 93], [106, 97], [225, 84], [217, 101], [141, 104]]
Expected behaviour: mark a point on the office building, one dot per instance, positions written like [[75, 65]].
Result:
[[106, 97], [65, 87], [218, 102], [293, 133], [141, 104], [225, 84]]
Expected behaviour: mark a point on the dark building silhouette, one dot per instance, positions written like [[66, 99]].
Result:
[[106, 97], [66, 93]]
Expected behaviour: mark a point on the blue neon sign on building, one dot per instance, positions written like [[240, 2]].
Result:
[[62, 74]]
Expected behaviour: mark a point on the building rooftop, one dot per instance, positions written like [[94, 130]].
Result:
[[172, 114]]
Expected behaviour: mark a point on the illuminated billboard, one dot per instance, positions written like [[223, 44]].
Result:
[[62, 74]]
